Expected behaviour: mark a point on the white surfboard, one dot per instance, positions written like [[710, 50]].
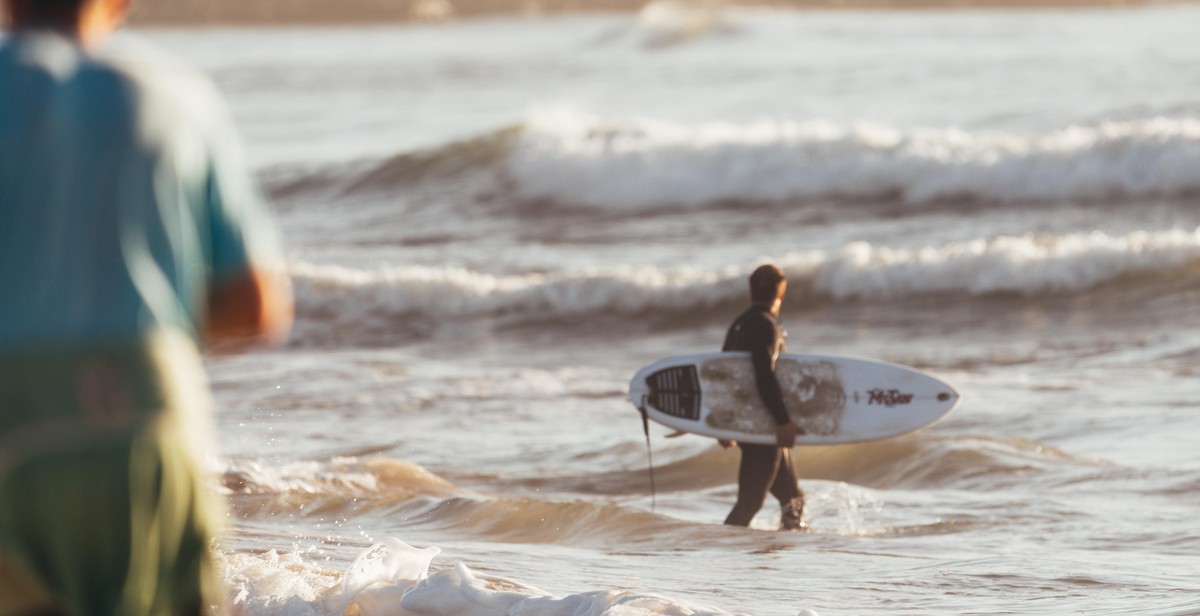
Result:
[[834, 399]]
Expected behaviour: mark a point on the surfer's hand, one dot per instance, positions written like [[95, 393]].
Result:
[[726, 444], [785, 435]]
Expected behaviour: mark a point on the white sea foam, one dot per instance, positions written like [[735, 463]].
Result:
[[391, 579], [575, 158], [356, 294], [249, 477], [340, 476], [663, 23], [378, 578], [278, 584], [1030, 264], [1027, 264]]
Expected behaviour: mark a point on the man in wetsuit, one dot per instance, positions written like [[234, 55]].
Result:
[[766, 468], [130, 231]]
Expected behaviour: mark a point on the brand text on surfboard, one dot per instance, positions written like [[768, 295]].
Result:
[[888, 397]]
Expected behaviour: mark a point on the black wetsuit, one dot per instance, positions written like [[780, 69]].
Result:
[[764, 468]]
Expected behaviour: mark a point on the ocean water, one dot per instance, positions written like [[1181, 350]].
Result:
[[492, 224]]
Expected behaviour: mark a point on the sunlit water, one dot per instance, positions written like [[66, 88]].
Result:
[[492, 224]]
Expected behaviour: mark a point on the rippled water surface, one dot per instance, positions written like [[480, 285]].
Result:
[[492, 224]]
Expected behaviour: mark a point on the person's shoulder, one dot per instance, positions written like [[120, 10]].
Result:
[[43, 51], [55, 72], [10, 45], [756, 314], [760, 321], [749, 319], [159, 78]]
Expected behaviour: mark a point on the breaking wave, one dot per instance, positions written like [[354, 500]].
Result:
[[1032, 266], [571, 159], [394, 578], [574, 158]]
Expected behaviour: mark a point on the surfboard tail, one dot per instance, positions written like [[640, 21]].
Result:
[[675, 391]]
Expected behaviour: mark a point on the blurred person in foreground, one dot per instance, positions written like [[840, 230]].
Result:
[[130, 233], [766, 468]]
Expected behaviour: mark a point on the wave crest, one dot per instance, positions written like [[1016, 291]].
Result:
[[1028, 264], [312, 487], [574, 158], [413, 300], [569, 159]]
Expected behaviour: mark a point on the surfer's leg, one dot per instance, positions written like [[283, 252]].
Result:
[[787, 490], [755, 476], [786, 487]]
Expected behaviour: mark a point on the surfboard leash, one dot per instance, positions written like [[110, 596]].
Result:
[[649, 451]]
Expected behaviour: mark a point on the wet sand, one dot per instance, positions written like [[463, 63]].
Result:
[[314, 12]]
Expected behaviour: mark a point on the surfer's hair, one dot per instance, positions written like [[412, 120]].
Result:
[[766, 283]]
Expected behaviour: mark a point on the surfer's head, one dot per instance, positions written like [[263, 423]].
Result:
[[767, 286], [87, 20]]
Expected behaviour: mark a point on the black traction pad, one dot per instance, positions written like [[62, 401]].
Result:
[[676, 392]]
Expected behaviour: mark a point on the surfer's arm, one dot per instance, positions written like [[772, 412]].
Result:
[[254, 306], [763, 355]]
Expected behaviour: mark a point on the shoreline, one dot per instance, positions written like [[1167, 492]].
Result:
[[205, 13]]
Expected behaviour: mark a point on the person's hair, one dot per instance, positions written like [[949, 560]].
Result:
[[765, 283], [47, 10]]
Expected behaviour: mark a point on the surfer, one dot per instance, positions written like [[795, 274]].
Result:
[[766, 468], [130, 228]]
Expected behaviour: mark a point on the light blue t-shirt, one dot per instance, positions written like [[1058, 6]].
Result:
[[123, 194]]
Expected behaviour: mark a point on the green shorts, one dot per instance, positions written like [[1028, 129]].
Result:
[[102, 506]]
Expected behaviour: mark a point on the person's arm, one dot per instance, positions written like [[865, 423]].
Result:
[[248, 295], [253, 307], [763, 353]]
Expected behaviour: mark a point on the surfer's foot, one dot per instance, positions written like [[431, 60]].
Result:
[[792, 515]]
